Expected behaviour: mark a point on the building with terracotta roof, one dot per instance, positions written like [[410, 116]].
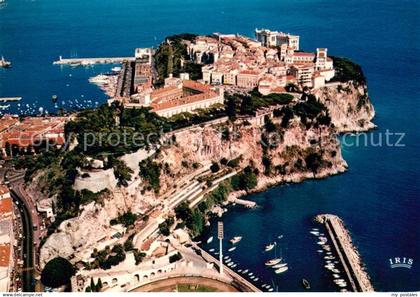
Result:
[[185, 96], [31, 132], [6, 238]]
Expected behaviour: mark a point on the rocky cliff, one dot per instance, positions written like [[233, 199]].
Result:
[[349, 106]]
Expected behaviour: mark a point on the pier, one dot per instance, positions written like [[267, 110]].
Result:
[[91, 61], [347, 253], [10, 99]]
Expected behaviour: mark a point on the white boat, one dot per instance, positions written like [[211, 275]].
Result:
[[281, 270], [236, 239], [211, 250], [227, 261], [270, 247], [316, 233], [234, 265], [280, 265], [321, 242], [116, 69], [99, 79], [256, 279], [3, 107], [319, 251], [245, 271], [270, 290], [315, 229], [336, 275], [232, 249], [239, 270], [250, 274], [210, 239], [273, 262], [226, 257], [280, 236]]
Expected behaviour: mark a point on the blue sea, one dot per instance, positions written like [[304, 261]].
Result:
[[378, 198]]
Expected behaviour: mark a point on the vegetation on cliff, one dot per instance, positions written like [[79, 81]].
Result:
[[172, 57], [346, 70]]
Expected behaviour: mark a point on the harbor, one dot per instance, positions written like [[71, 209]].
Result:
[[92, 61], [347, 253]]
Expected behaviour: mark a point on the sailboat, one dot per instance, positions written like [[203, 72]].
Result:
[[273, 261]]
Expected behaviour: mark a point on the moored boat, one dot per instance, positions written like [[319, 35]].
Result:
[[210, 239], [273, 262], [306, 284], [281, 270], [270, 247], [279, 265], [236, 239]]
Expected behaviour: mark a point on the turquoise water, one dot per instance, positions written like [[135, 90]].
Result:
[[377, 197]]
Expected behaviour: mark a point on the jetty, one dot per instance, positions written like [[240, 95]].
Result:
[[91, 61], [10, 99], [237, 280], [243, 202], [347, 252]]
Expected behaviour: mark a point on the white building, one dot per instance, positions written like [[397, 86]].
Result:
[[274, 38]]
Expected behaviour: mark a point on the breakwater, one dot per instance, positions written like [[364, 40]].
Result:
[[347, 252]]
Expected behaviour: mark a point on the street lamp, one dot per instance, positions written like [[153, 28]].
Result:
[[220, 236]]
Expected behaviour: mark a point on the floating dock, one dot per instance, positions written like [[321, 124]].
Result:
[[347, 253], [91, 61]]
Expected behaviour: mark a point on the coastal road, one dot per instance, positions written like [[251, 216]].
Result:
[[27, 224], [27, 244]]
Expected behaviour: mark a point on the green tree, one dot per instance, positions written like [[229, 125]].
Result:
[[57, 273]]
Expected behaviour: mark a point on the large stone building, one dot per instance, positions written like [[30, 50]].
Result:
[[274, 38], [177, 96]]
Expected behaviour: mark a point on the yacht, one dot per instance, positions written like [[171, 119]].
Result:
[[100, 79], [273, 262], [210, 239], [232, 249], [116, 69], [281, 270], [279, 265], [245, 271], [211, 250], [270, 247], [316, 233], [4, 63], [236, 239]]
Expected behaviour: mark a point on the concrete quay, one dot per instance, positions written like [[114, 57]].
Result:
[[347, 253], [238, 281]]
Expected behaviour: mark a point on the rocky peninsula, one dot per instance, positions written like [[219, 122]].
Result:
[[135, 196]]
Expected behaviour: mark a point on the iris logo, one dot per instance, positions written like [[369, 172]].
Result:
[[401, 262]]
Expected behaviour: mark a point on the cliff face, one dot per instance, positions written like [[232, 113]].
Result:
[[299, 153], [349, 106]]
